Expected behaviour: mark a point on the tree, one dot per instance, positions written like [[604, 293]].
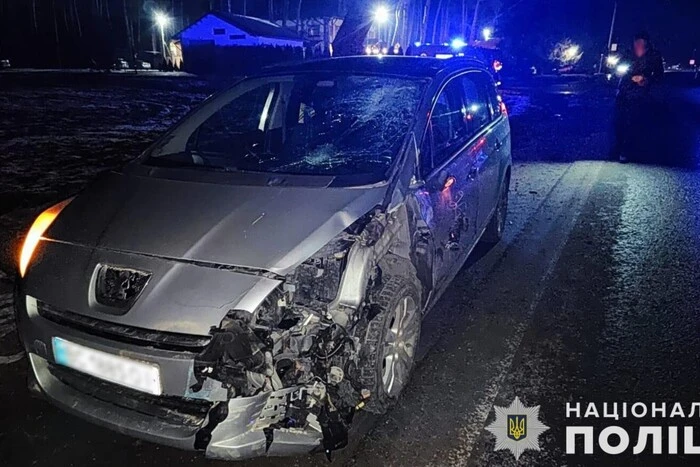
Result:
[[351, 36]]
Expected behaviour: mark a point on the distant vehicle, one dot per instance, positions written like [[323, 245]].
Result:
[[5, 63], [378, 48], [262, 271], [121, 64], [458, 49], [143, 65]]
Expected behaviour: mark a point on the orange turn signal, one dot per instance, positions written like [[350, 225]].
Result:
[[35, 233]]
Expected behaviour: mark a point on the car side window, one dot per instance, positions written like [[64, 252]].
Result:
[[477, 106], [494, 99], [448, 124]]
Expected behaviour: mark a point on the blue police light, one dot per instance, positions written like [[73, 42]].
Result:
[[458, 43]]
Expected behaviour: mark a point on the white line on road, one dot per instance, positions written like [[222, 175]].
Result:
[[469, 434]]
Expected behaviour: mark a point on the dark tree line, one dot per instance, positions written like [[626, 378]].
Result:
[[433, 21], [78, 33]]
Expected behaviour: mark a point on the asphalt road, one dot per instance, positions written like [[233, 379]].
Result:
[[592, 296]]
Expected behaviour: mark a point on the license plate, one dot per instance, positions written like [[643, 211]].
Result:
[[109, 367]]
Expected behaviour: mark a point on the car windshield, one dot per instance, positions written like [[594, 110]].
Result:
[[307, 124]]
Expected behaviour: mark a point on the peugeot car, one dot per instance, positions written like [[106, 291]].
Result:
[[260, 274]]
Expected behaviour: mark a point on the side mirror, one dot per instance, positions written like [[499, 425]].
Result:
[[416, 184], [440, 181]]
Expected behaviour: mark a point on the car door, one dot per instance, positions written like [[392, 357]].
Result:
[[450, 192], [483, 122]]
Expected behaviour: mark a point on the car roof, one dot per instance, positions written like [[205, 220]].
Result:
[[415, 67]]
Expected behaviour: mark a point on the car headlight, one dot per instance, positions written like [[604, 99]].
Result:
[[622, 69], [37, 229]]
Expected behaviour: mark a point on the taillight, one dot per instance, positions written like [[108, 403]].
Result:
[[35, 233], [502, 105]]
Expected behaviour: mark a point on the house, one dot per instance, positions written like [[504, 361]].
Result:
[[222, 42], [318, 31]]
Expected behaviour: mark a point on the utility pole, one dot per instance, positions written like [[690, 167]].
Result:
[[472, 33], [610, 36], [612, 26]]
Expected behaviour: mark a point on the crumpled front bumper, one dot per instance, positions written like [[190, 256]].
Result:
[[239, 434]]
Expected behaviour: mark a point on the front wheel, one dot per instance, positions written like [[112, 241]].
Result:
[[390, 343]]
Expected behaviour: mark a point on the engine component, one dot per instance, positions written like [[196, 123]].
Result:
[[304, 344], [235, 357], [335, 375]]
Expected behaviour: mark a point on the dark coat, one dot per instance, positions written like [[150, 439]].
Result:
[[651, 66]]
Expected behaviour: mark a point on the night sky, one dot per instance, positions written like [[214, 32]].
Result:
[[529, 27], [673, 24]]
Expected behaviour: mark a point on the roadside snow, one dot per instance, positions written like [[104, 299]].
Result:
[[57, 132]]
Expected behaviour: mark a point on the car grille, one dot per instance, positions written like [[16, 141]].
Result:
[[127, 334], [174, 410]]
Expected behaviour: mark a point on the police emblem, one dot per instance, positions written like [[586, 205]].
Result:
[[517, 428]]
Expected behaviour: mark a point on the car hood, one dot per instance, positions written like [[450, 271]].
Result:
[[273, 228]]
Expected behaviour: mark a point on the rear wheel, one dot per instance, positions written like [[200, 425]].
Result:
[[390, 343], [497, 224]]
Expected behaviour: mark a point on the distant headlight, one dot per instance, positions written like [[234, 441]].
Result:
[[37, 229], [622, 68]]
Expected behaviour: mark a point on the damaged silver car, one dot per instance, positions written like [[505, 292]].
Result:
[[260, 274]]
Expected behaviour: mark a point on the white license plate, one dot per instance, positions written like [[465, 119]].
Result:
[[109, 367]]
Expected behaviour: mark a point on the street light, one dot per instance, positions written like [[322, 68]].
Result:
[[487, 33], [381, 14], [162, 20]]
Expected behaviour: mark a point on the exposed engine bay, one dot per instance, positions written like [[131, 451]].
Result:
[[302, 348]]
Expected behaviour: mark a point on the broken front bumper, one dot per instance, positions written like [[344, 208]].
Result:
[[224, 429]]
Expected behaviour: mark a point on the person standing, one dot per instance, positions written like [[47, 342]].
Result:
[[635, 98]]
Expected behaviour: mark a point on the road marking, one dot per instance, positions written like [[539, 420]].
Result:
[[470, 433]]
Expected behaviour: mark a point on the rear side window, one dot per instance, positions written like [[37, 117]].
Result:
[[476, 101], [449, 127], [462, 110], [494, 99]]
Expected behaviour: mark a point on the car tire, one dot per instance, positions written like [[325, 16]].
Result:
[[497, 224], [389, 343]]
